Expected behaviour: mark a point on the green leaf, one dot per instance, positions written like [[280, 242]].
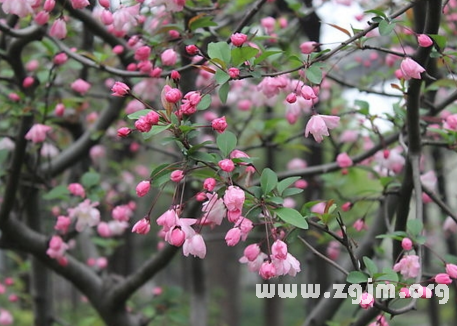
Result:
[[226, 142], [205, 21], [364, 107], [220, 50], [414, 227], [59, 192], [257, 191], [205, 102], [292, 216], [265, 55], [223, 92], [370, 265], [314, 74], [221, 76], [388, 275], [292, 191], [202, 156], [284, 184], [440, 41], [242, 54], [138, 114], [376, 12], [90, 179], [356, 277], [268, 180], [155, 130], [385, 28]]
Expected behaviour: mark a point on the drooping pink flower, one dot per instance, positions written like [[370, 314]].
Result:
[[318, 126], [233, 236], [267, 270], [142, 53], [190, 102], [411, 69], [173, 95], [451, 270], [143, 188], [252, 251], [142, 226], [424, 40], [308, 93], [120, 89], [366, 300], [209, 184], [177, 237], [219, 124], [308, 47], [57, 247], [360, 225], [238, 39], [214, 210], [58, 29], [60, 58], [62, 224], [125, 18], [76, 189], [192, 49], [346, 206], [408, 266], [245, 226], [85, 214], [195, 246], [37, 134], [21, 8], [80, 86], [234, 200]]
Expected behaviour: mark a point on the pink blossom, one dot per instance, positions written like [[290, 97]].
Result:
[[333, 250], [106, 17], [175, 75], [177, 175], [80, 86], [234, 200], [143, 188], [76, 189], [318, 126], [301, 183], [346, 206], [60, 58], [209, 184], [360, 225], [450, 122], [234, 73], [268, 23], [308, 47], [226, 165], [62, 224], [41, 18], [424, 40], [123, 132], [120, 89], [6, 318], [254, 265], [343, 160], [142, 226], [411, 69], [219, 124], [195, 246], [57, 247], [169, 57], [442, 278], [122, 213], [238, 39], [177, 237], [190, 102], [21, 8], [404, 293], [37, 134], [192, 49], [125, 18], [319, 208], [267, 270], [291, 98], [406, 244], [279, 249], [58, 29], [49, 5], [79, 4], [102, 262], [173, 95], [308, 93], [214, 210], [271, 86], [233, 236], [86, 214], [296, 164], [245, 226], [408, 266], [450, 225], [366, 300], [142, 53]]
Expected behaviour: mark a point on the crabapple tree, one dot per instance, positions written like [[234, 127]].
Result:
[[190, 122]]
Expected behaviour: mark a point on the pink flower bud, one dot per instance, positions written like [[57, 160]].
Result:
[[169, 57], [118, 49], [209, 184], [442, 278], [411, 69], [14, 97], [366, 300], [226, 165], [308, 93], [238, 39], [173, 95], [104, 3], [177, 175], [346, 206], [104, 230], [177, 237], [106, 17], [41, 18], [406, 244], [252, 251], [234, 73], [142, 226], [28, 81], [343, 160], [451, 270], [291, 98], [120, 89], [302, 184], [175, 75], [424, 40], [279, 250], [192, 49], [233, 236], [173, 34], [219, 125], [123, 132], [143, 188], [49, 5], [308, 47], [60, 58], [76, 189], [201, 196], [80, 86], [58, 29], [404, 293], [142, 53]]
